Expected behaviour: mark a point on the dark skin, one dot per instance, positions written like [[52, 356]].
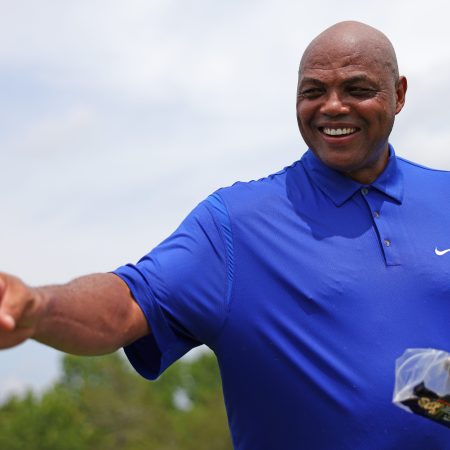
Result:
[[349, 92], [348, 95], [92, 315]]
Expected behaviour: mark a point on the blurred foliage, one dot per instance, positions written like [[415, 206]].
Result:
[[99, 403]]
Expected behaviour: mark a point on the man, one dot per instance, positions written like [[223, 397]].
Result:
[[307, 284]]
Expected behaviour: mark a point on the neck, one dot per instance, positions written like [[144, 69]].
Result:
[[369, 174]]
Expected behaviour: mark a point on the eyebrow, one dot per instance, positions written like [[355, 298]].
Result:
[[351, 80], [358, 78], [310, 80]]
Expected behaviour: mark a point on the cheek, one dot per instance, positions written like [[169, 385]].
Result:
[[303, 115], [381, 110]]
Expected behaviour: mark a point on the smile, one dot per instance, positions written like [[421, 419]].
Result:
[[338, 131]]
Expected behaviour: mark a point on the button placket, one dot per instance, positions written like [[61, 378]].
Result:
[[381, 223]]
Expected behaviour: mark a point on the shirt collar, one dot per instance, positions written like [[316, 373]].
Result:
[[341, 188]]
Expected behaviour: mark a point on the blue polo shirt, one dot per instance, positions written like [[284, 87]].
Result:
[[307, 286]]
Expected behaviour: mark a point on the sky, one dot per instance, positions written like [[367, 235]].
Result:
[[118, 117]]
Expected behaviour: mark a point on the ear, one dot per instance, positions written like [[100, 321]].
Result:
[[400, 91]]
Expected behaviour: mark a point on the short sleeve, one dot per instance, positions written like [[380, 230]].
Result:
[[181, 286]]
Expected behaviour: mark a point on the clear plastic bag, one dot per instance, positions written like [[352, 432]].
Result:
[[422, 383]]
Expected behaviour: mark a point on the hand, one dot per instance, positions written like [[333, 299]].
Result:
[[20, 310]]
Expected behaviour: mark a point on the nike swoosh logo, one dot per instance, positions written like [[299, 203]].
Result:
[[441, 252]]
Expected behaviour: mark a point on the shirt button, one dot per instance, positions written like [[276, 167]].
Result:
[[376, 214], [387, 242], [364, 191]]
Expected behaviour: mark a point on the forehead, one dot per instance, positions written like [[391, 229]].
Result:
[[345, 58]]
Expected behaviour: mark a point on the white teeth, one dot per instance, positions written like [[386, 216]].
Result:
[[338, 131]]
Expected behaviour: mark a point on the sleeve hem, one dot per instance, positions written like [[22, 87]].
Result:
[[151, 354]]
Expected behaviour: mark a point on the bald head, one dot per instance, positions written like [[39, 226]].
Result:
[[351, 38]]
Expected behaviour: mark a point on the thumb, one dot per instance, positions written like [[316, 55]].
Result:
[[7, 321]]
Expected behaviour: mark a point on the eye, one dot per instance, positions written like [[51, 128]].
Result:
[[362, 91], [311, 93]]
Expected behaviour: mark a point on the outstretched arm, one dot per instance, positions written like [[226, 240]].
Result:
[[91, 315]]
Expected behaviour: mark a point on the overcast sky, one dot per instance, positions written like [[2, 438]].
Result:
[[118, 117]]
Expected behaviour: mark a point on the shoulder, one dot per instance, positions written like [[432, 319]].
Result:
[[244, 197], [414, 168], [425, 185]]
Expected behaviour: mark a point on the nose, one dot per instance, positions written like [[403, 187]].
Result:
[[333, 105]]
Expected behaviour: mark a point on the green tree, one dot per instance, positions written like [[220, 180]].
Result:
[[101, 403]]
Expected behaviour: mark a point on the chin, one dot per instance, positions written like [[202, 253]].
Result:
[[341, 162]]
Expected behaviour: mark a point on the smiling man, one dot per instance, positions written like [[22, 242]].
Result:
[[307, 284], [349, 92]]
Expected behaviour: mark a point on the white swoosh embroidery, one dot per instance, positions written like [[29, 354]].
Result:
[[441, 252]]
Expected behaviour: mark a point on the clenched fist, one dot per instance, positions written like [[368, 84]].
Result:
[[21, 308]]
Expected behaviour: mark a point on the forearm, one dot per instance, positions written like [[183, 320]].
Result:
[[91, 315]]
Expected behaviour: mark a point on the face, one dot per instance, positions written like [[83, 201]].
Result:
[[346, 105]]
